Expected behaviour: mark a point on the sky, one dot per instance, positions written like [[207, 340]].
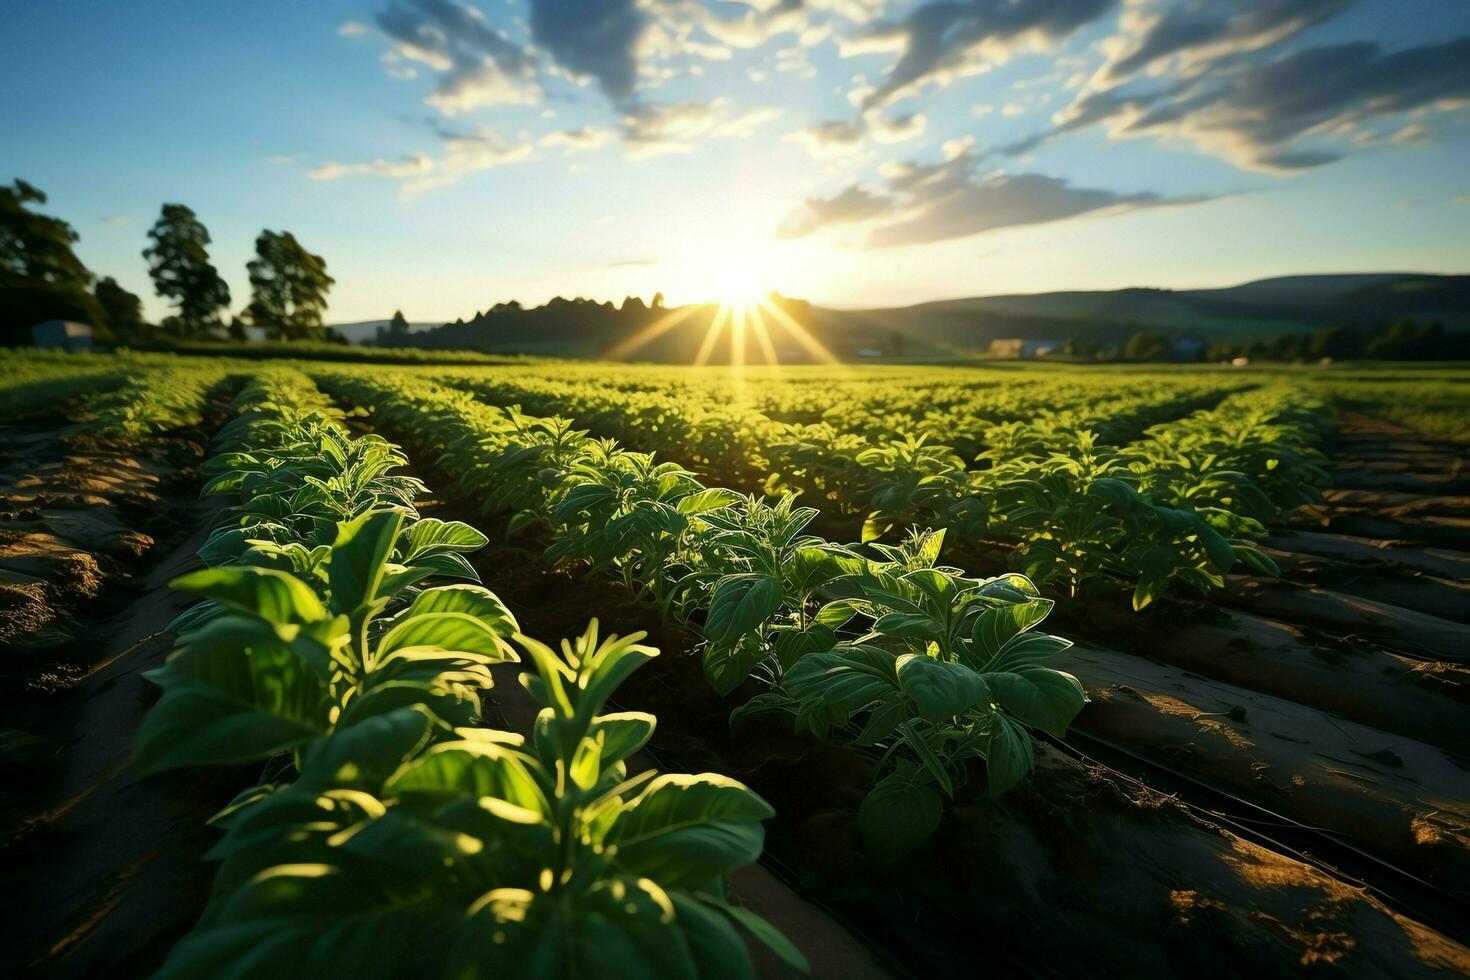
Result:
[[444, 155]]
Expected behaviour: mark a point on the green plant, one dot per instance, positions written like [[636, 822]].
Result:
[[275, 668], [489, 855], [948, 669]]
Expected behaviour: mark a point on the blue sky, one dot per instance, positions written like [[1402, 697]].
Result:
[[443, 156]]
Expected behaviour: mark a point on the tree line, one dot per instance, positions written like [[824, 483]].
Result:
[[1400, 340], [41, 278]]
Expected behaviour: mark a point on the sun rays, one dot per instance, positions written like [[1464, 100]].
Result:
[[744, 316]]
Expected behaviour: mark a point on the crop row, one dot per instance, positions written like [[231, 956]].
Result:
[[391, 835], [118, 399], [877, 647], [1074, 492]]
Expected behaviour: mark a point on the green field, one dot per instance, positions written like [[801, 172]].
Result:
[[1119, 649]]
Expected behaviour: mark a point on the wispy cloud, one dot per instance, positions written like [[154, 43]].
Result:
[[653, 129], [570, 141], [464, 154], [1216, 77], [952, 199], [477, 64]]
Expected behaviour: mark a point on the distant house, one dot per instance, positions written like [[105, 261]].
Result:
[[1017, 347], [870, 352], [62, 335], [1189, 348]]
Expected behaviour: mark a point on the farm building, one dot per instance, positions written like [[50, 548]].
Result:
[[1018, 347], [1189, 348], [62, 335]]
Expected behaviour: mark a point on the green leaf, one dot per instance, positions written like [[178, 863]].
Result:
[[430, 533], [715, 944], [473, 600], [1009, 754], [997, 625], [1027, 648], [272, 595], [236, 692], [769, 936], [741, 604], [365, 755], [940, 690], [474, 768], [447, 630], [359, 553], [1039, 696], [683, 830], [704, 501], [899, 813], [625, 732]]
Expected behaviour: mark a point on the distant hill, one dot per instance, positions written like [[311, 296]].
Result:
[[1252, 311], [635, 332], [365, 330], [1260, 310]]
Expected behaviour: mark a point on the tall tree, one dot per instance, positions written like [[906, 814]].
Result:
[[35, 249], [398, 326], [289, 287], [123, 309], [178, 261]]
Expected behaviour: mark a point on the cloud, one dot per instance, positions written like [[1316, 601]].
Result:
[[1191, 35], [944, 40], [631, 264], [281, 159], [837, 137], [652, 129], [597, 39], [464, 153], [854, 204], [571, 141], [1414, 134], [414, 165], [934, 202], [477, 64], [756, 25], [1256, 112], [834, 137], [115, 219], [895, 130], [353, 28]]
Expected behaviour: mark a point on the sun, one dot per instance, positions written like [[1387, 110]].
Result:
[[739, 312], [738, 284]]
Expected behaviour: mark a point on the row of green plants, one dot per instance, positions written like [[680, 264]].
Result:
[[1162, 486], [150, 401], [878, 647], [343, 646], [800, 433], [1180, 507]]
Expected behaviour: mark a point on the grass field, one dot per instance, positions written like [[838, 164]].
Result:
[[1028, 664]]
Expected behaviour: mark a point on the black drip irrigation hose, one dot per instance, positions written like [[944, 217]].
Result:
[[1443, 909]]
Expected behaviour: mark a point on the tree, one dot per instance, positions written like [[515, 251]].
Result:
[[289, 287], [398, 326], [35, 249], [122, 308], [1146, 346], [1341, 343], [658, 301], [178, 261]]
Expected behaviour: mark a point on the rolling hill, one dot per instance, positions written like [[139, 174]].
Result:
[[1250, 311], [1258, 310]]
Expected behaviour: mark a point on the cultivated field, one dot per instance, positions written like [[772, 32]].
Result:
[[1014, 668]]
